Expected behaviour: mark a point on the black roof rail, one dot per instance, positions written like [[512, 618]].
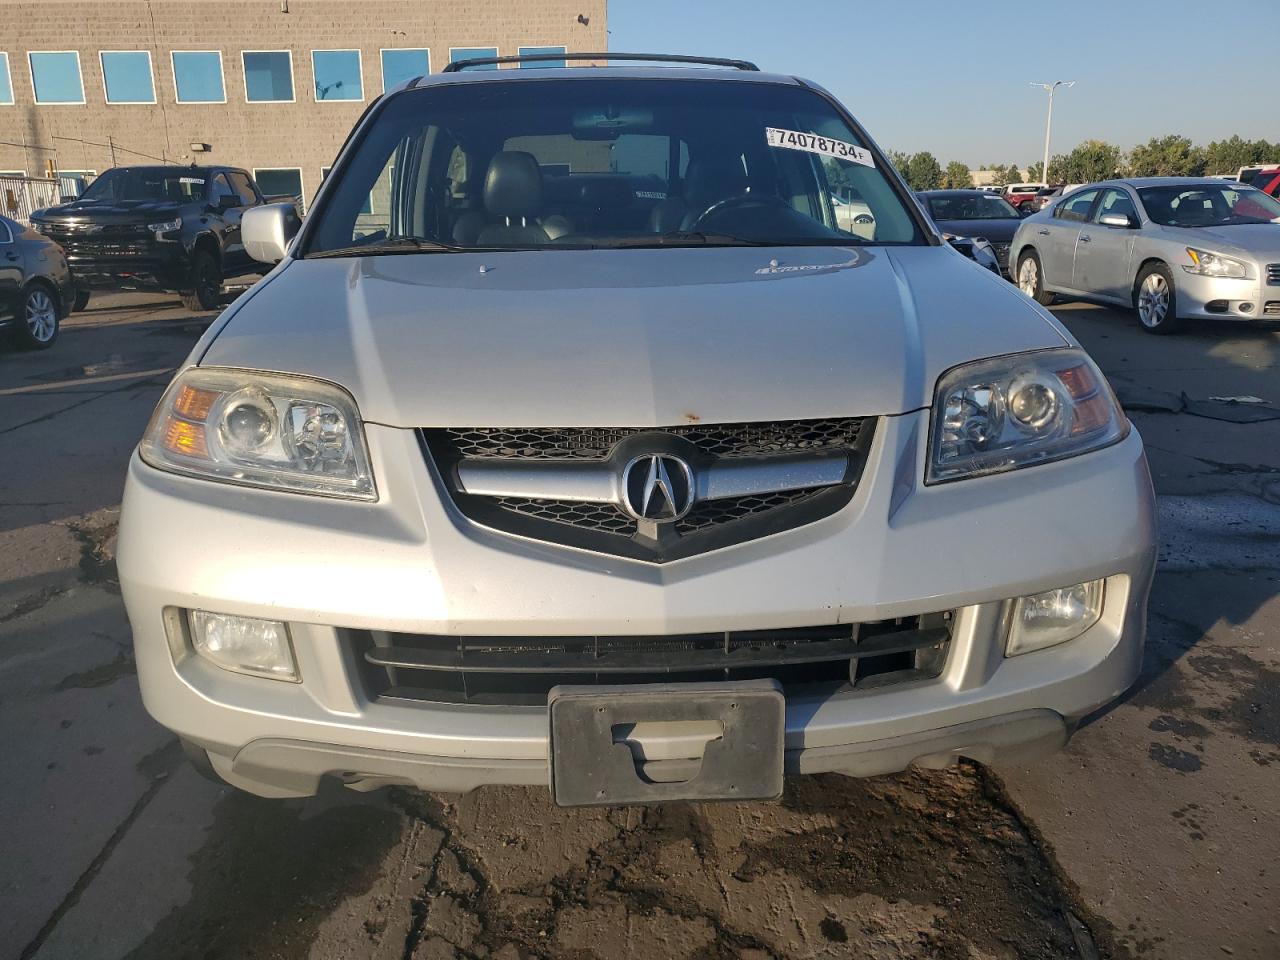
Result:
[[458, 65]]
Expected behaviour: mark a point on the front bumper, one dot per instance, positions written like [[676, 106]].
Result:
[[1219, 298], [410, 563]]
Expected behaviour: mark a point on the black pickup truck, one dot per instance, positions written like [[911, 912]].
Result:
[[167, 228]]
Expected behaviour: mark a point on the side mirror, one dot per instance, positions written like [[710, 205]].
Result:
[[1124, 220], [267, 231]]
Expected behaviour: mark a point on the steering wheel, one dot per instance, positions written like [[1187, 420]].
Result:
[[741, 200]]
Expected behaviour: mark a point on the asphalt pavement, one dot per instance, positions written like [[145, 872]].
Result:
[[1152, 836]]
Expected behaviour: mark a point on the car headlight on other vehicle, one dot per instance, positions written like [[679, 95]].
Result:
[[261, 430], [1019, 411], [168, 226], [1208, 264]]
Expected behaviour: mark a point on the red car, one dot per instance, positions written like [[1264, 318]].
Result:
[[1268, 181]]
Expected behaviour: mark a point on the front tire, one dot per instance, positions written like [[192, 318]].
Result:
[[39, 321], [1030, 278], [1156, 300], [81, 301], [206, 283]]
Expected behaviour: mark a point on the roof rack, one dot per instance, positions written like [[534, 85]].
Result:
[[458, 65]]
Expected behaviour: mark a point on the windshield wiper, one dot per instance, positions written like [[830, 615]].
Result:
[[394, 245], [681, 238]]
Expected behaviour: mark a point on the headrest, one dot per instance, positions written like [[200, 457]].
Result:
[[709, 180], [513, 185]]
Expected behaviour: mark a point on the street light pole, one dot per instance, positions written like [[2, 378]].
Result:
[[1048, 125]]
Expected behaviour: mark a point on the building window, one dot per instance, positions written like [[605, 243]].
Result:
[[268, 76], [468, 53], [55, 76], [278, 182], [197, 76], [401, 65], [528, 51], [337, 74], [126, 76], [6, 80]]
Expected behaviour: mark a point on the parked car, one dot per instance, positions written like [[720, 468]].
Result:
[[977, 249], [36, 289], [1169, 247], [1021, 194], [169, 228], [1246, 174], [973, 213], [1268, 181], [475, 491], [853, 213]]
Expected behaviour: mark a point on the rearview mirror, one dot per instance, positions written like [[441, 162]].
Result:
[[1117, 220], [268, 230]]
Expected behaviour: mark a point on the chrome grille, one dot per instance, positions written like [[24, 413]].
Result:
[[1273, 274], [595, 443], [561, 485], [1272, 308]]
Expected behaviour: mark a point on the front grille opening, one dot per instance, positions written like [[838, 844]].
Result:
[[520, 671], [596, 443]]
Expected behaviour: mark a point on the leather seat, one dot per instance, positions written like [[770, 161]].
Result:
[[513, 192], [706, 182]]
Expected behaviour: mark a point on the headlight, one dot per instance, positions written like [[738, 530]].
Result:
[[1053, 617], [1018, 411], [261, 430], [1208, 264], [168, 226]]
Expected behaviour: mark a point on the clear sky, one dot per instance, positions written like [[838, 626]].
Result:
[[954, 77]]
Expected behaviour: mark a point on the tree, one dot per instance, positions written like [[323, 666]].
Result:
[[1228, 156], [957, 175], [999, 175], [1013, 174], [900, 161], [923, 171], [1089, 162], [1035, 173], [1170, 156]]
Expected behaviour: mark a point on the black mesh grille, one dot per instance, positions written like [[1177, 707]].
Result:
[[711, 513], [595, 443], [604, 517]]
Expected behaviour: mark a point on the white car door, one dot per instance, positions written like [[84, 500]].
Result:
[[1104, 251], [1056, 238]]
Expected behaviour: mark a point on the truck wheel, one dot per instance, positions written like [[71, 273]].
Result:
[[1156, 300], [81, 301], [38, 321], [1031, 279], [206, 283]]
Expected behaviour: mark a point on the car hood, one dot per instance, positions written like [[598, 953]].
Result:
[[997, 231], [1253, 239], [113, 211], [635, 337]]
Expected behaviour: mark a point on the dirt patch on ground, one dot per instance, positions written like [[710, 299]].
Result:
[[96, 534], [922, 865]]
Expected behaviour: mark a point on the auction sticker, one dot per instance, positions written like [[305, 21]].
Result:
[[195, 180], [812, 143]]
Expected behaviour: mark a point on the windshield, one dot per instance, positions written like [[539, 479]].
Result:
[[972, 207], [175, 184], [562, 164], [1208, 205]]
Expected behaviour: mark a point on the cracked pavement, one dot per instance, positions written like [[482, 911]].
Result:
[[1152, 835]]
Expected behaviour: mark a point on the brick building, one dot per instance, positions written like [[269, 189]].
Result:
[[271, 85]]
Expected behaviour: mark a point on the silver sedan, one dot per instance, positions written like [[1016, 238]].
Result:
[[1169, 247]]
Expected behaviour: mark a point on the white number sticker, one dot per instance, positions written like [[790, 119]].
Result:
[[812, 143], [195, 180]]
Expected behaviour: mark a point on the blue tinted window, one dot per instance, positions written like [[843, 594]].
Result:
[[337, 74], [466, 53], [127, 75], [56, 77], [197, 75], [6, 81], [526, 51], [401, 65], [268, 76]]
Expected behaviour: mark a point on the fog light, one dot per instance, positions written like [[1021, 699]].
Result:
[[1053, 617], [260, 648]]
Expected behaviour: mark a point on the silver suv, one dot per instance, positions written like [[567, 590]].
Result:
[[577, 440]]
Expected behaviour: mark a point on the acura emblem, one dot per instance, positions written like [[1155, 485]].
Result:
[[657, 487]]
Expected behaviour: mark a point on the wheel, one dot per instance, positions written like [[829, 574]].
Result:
[[38, 318], [206, 283], [82, 300], [1031, 279], [1156, 300]]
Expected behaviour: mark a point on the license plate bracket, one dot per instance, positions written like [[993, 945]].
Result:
[[590, 768]]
